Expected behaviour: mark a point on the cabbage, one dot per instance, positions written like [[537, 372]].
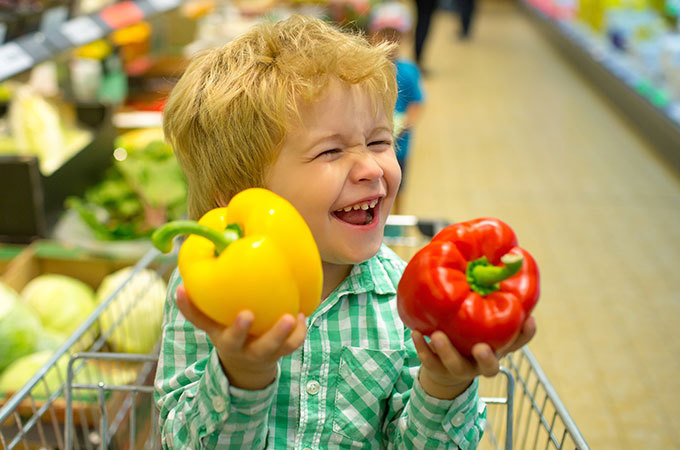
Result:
[[138, 307], [93, 372], [49, 340], [61, 302], [21, 371], [19, 327]]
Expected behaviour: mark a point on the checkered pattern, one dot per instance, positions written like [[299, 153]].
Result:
[[357, 350]]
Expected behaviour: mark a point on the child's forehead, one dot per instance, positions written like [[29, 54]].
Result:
[[309, 108]]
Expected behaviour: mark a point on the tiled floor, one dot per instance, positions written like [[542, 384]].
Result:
[[512, 130]]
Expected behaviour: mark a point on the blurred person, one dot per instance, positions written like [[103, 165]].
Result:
[[392, 22], [425, 9], [466, 10]]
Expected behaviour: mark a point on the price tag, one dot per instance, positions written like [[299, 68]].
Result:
[[164, 5], [13, 59], [53, 18], [81, 30], [121, 15]]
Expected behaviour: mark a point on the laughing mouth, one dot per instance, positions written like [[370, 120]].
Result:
[[358, 214]]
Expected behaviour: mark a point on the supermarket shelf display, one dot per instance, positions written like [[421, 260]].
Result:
[[631, 50]]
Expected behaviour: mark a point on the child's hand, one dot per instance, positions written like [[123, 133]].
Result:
[[248, 362], [446, 373]]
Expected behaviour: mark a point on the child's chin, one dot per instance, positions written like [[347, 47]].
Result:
[[365, 253]]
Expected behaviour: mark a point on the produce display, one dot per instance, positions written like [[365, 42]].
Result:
[[51, 307], [473, 283], [40, 127], [257, 253], [144, 189]]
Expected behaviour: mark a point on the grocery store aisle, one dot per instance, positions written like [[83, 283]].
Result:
[[512, 130]]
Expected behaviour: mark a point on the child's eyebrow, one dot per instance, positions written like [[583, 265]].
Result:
[[324, 138], [339, 136]]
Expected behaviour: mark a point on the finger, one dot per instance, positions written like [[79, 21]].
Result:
[[487, 363], [233, 339], [271, 341], [427, 357], [526, 334], [193, 314], [296, 337], [454, 362]]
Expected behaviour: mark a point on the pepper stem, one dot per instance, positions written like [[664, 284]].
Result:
[[484, 277], [163, 236]]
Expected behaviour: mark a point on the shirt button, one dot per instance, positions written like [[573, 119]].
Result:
[[313, 387], [458, 419], [218, 404]]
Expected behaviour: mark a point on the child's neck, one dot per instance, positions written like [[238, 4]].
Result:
[[333, 275]]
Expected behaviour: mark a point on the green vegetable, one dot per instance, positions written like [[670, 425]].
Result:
[[61, 302], [49, 340], [19, 327], [22, 370], [37, 128], [144, 189], [136, 314], [18, 374]]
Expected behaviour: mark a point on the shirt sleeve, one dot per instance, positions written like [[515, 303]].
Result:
[[416, 420], [198, 408]]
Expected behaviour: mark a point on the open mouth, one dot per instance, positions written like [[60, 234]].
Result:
[[359, 214]]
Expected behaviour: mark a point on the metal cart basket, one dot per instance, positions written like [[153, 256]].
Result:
[[87, 396]]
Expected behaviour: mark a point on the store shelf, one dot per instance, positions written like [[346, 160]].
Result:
[[615, 75], [26, 51]]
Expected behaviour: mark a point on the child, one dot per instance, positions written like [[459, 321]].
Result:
[[390, 22], [306, 111]]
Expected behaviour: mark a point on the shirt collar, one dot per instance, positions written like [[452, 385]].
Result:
[[365, 277], [368, 276]]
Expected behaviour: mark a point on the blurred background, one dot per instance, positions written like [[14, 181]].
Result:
[[560, 117]]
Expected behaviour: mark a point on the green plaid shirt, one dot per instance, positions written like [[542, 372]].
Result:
[[352, 384]]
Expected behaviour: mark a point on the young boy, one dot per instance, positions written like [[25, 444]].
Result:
[[306, 111]]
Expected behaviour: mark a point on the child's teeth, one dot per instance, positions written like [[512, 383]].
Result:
[[364, 206]]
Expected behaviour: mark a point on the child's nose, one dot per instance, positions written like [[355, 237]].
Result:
[[366, 168]]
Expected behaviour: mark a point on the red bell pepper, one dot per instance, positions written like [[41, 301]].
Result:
[[473, 283]]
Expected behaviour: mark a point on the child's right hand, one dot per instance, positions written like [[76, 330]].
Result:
[[248, 362]]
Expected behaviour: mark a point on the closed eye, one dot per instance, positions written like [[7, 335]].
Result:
[[328, 153], [375, 143]]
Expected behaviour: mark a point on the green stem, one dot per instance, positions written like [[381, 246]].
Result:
[[163, 236], [484, 277]]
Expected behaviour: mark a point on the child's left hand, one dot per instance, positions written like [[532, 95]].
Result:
[[446, 373]]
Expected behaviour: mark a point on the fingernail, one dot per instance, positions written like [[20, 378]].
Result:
[[244, 319]]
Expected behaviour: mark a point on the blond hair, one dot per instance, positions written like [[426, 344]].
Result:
[[229, 113]]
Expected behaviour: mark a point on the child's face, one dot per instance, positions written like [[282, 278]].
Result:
[[339, 157]]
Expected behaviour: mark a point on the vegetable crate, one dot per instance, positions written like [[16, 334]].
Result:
[[79, 391], [89, 398]]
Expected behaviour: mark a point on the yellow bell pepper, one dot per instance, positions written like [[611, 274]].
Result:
[[257, 253]]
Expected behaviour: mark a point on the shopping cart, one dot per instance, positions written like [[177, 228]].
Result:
[[91, 398]]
